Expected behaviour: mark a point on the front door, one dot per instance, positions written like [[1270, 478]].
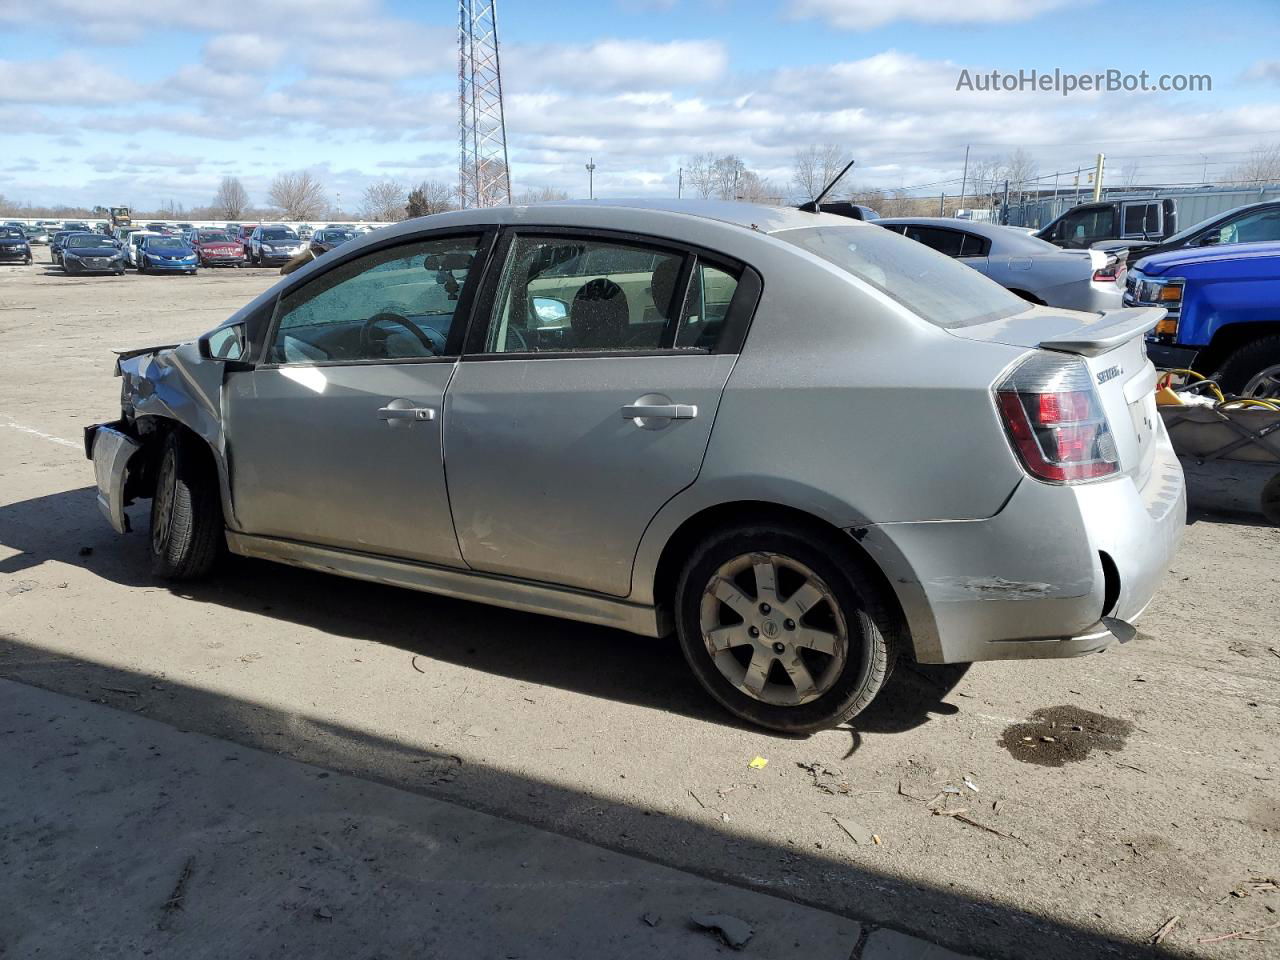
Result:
[[584, 403], [335, 438]]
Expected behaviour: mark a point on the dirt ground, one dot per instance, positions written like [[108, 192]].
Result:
[[1150, 787]]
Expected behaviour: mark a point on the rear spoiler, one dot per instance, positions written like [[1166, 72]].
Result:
[[1109, 331]]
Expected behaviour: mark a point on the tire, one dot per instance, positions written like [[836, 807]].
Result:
[[852, 603], [1246, 362], [186, 512]]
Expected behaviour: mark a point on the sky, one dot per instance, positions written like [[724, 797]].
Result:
[[143, 103]]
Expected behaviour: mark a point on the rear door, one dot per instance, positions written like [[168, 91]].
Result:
[[585, 400]]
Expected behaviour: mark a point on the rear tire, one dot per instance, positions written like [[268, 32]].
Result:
[[771, 664], [1243, 367], [187, 531]]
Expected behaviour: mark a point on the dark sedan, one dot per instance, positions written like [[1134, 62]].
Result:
[[1251, 223], [273, 244], [322, 241], [91, 253], [14, 246], [59, 241]]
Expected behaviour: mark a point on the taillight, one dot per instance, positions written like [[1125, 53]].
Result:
[[1110, 273], [1055, 420]]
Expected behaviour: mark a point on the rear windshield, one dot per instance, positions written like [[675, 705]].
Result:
[[946, 293]]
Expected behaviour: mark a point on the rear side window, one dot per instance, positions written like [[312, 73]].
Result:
[[948, 242], [938, 289]]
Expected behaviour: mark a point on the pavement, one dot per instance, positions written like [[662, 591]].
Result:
[[1164, 803], [124, 837]]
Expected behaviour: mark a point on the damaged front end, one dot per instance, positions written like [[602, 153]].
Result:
[[162, 388]]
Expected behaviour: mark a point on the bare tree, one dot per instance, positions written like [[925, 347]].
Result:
[[1019, 169], [897, 204], [384, 200], [297, 195], [431, 196], [1262, 166], [754, 188], [726, 172], [541, 195], [1129, 174], [872, 197], [698, 175], [814, 167], [232, 199], [984, 172]]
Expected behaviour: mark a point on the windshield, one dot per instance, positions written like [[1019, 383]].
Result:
[[213, 236], [11, 233], [89, 240], [946, 293], [337, 236], [279, 235], [165, 243]]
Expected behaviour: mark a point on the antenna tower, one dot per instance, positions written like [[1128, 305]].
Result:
[[483, 177]]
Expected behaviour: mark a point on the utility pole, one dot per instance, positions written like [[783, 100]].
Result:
[[1078, 171], [591, 178], [680, 183], [964, 177], [942, 205], [1097, 178], [1004, 208]]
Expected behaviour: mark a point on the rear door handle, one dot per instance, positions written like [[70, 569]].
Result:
[[659, 411], [406, 413]]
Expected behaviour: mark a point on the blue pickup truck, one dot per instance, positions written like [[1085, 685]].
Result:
[[1223, 317]]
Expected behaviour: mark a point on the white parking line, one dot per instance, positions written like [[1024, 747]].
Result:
[[14, 425]]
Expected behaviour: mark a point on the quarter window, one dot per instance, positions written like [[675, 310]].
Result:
[[569, 294], [393, 304]]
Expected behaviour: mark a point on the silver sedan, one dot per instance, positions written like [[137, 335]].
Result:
[[804, 444], [1032, 268]]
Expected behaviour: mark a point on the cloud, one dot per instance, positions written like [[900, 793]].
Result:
[[869, 14], [243, 51], [1264, 71], [70, 78], [616, 65]]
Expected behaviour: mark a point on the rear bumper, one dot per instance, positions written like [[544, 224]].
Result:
[[1038, 578]]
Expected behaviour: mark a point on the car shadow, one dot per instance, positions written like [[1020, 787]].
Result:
[[598, 661]]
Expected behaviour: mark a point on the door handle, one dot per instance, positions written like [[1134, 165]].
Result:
[[406, 413], [659, 411]]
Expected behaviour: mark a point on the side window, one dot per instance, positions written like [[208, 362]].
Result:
[[944, 241], [393, 304], [973, 245], [1088, 225], [711, 290], [1252, 228], [559, 293], [1140, 218]]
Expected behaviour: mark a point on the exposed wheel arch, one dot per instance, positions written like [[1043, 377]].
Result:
[[1029, 297], [1230, 338], [744, 512]]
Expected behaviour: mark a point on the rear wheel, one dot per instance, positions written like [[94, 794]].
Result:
[[1253, 370], [785, 630], [186, 512]]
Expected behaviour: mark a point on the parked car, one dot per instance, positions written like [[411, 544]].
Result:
[[91, 253], [1223, 315], [322, 241], [1251, 223], [243, 233], [806, 444], [1136, 222], [133, 241], [305, 230], [76, 226], [14, 246], [1030, 267], [217, 248], [36, 235], [59, 240], [165, 254], [273, 244]]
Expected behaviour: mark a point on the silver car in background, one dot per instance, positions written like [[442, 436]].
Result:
[[1036, 270], [806, 445]]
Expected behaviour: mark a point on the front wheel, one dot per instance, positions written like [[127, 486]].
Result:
[[186, 511], [785, 630], [1253, 370]]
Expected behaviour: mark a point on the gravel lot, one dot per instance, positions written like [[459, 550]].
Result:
[[1163, 803]]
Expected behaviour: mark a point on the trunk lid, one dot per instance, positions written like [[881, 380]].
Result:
[[1113, 348]]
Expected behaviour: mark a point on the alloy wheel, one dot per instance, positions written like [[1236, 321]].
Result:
[[1264, 385], [774, 629]]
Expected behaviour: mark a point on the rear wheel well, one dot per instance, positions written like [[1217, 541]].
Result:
[[749, 512], [1030, 297], [1230, 338]]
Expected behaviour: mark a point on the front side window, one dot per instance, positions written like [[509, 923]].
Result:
[[1253, 228], [559, 293], [393, 304]]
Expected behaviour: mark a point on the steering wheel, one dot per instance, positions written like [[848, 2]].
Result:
[[367, 340]]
